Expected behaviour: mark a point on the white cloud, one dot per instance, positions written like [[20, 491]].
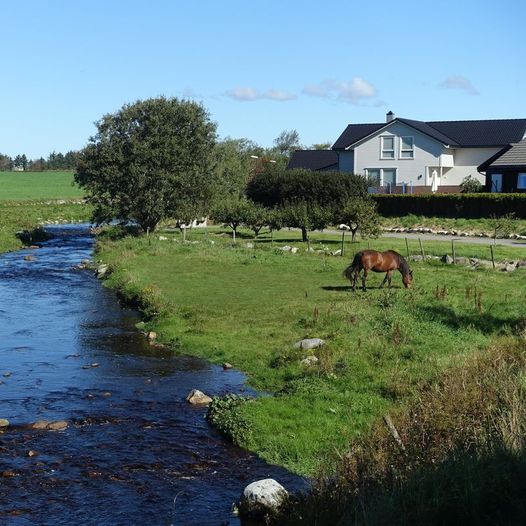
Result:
[[276, 94], [461, 83], [242, 94], [355, 91], [251, 94]]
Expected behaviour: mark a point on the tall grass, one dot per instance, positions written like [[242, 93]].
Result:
[[460, 457]]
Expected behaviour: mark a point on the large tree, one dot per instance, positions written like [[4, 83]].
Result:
[[149, 160]]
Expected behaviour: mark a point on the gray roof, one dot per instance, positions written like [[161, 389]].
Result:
[[314, 159], [481, 133], [512, 156]]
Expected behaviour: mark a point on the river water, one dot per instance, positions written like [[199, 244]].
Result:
[[134, 451]]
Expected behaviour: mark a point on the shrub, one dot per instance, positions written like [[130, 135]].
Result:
[[226, 414], [276, 187], [470, 185]]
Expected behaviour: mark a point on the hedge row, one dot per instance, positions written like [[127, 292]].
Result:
[[470, 206]]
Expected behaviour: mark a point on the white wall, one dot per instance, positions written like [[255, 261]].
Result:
[[426, 153], [466, 162]]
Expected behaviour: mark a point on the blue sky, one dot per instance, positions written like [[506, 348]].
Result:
[[259, 67]]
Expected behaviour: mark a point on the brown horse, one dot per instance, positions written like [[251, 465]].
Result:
[[378, 262]]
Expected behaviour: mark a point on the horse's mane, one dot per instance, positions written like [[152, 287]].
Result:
[[404, 267], [402, 263]]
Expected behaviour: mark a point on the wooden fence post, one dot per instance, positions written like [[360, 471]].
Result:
[[422, 249], [407, 248], [453, 251], [492, 256]]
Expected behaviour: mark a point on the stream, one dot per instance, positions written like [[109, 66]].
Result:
[[134, 451]]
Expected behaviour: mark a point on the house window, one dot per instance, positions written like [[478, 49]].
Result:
[[374, 174], [384, 176], [388, 148], [521, 181], [407, 148]]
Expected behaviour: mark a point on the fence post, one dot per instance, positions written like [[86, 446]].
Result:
[[407, 248], [492, 256], [422, 249], [453, 251], [343, 239]]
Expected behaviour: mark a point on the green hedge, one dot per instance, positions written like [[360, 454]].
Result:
[[470, 206]]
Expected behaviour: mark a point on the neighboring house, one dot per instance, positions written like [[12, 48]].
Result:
[[506, 170], [321, 160], [405, 155]]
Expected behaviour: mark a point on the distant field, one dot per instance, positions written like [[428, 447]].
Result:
[[38, 185]]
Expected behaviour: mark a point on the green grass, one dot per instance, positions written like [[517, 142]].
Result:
[[38, 185], [249, 306]]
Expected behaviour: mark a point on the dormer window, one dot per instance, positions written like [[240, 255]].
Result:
[[387, 148], [407, 148]]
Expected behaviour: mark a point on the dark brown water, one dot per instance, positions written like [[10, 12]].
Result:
[[133, 445]]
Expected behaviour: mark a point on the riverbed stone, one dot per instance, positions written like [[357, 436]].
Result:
[[102, 270], [309, 343], [262, 496], [4, 422], [227, 365], [59, 425], [152, 336], [447, 259], [196, 397], [40, 424]]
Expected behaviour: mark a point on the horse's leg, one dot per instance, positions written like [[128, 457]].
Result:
[[355, 279], [385, 279], [389, 277], [364, 277]]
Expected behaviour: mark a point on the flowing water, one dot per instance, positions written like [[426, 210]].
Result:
[[134, 451]]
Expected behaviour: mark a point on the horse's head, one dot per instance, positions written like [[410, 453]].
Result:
[[407, 279]]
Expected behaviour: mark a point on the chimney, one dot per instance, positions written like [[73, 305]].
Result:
[[389, 116]]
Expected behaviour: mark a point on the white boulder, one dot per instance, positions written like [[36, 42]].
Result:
[[262, 496], [309, 343]]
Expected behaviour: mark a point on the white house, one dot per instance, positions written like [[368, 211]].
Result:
[[413, 156]]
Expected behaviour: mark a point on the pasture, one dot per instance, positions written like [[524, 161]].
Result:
[[38, 185], [248, 306]]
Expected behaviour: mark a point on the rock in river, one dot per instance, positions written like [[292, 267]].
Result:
[[196, 397], [261, 497]]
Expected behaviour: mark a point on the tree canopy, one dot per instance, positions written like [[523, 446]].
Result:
[[149, 160]]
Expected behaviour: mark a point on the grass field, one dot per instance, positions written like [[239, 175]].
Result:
[[38, 185], [248, 306]]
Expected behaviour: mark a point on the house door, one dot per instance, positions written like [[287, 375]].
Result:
[[496, 182]]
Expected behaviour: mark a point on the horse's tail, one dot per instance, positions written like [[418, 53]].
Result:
[[354, 267]]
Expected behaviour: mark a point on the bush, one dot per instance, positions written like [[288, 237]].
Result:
[[468, 206], [470, 185], [226, 414], [276, 187]]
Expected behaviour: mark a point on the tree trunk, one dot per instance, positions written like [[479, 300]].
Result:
[[304, 236], [353, 234]]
